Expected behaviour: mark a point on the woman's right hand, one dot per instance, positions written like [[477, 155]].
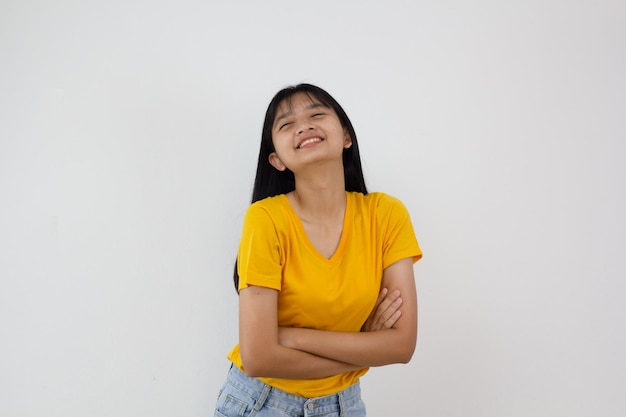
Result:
[[385, 313]]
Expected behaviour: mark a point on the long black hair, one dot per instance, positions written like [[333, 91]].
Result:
[[270, 182]]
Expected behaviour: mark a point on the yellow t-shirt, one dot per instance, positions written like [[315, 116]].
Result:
[[315, 292]]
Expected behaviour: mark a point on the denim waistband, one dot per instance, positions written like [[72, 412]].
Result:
[[277, 398]]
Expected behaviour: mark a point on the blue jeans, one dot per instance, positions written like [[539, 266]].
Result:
[[244, 396]]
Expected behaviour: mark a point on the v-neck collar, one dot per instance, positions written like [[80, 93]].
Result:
[[304, 238]]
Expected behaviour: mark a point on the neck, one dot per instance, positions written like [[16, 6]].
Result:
[[320, 196]]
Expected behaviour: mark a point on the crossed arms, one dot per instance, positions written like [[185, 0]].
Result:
[[296, 353]]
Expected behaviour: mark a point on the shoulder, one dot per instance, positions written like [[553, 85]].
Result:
[[268, 204], [270, 209], [378, 202]]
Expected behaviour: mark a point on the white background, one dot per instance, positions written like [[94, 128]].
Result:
[[129, 132]]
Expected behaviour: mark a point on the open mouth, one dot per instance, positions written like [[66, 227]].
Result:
[[309, 141]]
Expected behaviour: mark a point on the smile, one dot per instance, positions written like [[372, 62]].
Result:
[[308, 141]]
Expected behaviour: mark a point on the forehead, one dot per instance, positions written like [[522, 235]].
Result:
[[296, 103]]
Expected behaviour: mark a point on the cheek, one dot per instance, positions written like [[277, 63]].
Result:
[[277, 143], [281, 148]]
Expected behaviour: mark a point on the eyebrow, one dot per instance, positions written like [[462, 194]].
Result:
[[289, 113]]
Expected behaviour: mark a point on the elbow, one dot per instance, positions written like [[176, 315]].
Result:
[[406, 350], [255, 363], [251, 364], [254, 372], [406, 355], [251, 368]]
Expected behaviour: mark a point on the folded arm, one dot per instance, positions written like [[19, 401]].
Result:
[[395, 345], [261, 353]]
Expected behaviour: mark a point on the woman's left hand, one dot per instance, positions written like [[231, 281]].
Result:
[[386, 312]]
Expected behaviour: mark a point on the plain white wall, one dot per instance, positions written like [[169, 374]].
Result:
[[128, 140]]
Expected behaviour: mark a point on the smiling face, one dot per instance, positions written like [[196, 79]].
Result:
[[306, 131]]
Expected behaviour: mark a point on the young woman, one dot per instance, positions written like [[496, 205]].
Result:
[[320, 270]]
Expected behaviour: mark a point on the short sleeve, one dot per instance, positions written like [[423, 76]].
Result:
[[399, 239], [259, 257]]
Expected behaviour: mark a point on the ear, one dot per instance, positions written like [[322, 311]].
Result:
[[347, 140], [276, 162]]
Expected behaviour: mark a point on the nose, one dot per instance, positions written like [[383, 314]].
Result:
[[304, 127]]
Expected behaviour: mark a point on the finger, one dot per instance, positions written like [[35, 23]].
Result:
[[388, 324], [384, 312], [381, 296], [387, 303], [390, 311]]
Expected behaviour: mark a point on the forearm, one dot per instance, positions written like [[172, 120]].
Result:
[[297, 353], [282, 362], [261, 352], [372, 348], [362, 349]]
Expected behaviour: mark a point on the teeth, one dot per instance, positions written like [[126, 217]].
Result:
[[306, 142]]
